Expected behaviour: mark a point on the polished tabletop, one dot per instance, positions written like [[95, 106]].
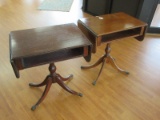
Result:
[[36, 41], [111, 23], [43, 45]]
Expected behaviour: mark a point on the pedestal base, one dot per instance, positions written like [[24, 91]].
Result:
[[106, 58], [53, 77]]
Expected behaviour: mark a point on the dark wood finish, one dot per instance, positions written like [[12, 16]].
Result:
[[45, 45], [141, 9], [106, 58], [117, 97], [53, 77], [107, 28]]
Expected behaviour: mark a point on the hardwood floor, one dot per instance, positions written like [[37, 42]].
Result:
[[115, 97]]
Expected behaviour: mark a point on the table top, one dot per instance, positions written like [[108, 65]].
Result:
[[111, 23], [38, 46], [36, 41]]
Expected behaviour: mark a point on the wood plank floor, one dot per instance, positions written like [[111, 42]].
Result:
[[115, 97]]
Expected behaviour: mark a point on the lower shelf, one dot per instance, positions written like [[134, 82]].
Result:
[[52, 57]]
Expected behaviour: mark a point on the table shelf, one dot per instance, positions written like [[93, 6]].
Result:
[[121, 34], [54, 56]]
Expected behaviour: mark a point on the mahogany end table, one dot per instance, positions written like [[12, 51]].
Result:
[[107, 28], [46, 45]]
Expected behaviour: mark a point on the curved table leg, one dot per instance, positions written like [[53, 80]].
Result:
[[64, 86], [95, 64], [94, 82], [39, 84], [113, 63], [105, 58], [65, 78], [48, 85], [53, 77], [59, 79]]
